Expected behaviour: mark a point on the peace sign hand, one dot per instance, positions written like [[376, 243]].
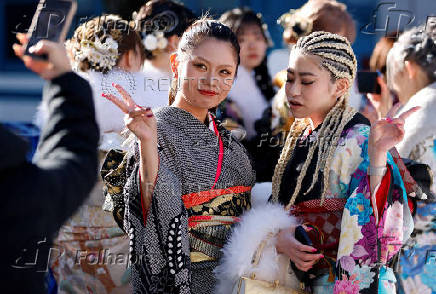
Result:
[[388, 132], [138, 120]]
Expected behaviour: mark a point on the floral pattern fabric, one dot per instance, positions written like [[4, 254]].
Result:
[[368, 244]]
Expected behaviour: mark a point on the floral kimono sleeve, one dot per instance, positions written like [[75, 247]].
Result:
[[368, 242]]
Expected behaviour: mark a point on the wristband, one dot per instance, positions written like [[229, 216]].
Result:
[[377, 170]]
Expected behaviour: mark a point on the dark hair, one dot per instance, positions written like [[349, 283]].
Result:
[[236, 19], [122, 31], [420, 47], [198, 32], [170, 17]]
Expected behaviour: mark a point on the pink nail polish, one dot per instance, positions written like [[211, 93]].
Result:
[[314, 250]]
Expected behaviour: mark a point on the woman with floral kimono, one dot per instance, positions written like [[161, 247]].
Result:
[[336, 177], [411, 68], [185, 179]]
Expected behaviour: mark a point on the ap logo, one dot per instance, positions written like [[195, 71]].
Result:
[[387, 18]]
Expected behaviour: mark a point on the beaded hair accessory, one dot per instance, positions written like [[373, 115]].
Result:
[[102, 55], [300, 26]]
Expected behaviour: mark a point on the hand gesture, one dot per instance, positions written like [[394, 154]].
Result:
[[57, 63], [388, 132], [139, 120]]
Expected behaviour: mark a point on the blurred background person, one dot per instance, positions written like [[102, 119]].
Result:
[[411, 74], [161, 24], [376, 106], [104, 50], [40, 196], [248, 106]]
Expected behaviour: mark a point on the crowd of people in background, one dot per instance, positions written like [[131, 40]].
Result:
[[172, 156]]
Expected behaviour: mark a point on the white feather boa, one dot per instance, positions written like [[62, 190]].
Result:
[[254, 227]]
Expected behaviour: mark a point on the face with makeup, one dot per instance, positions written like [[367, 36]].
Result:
[[310, 90], [253, 45], [205, 76]]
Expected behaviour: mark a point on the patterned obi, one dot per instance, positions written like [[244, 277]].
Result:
[[211, 215], [325, 221]]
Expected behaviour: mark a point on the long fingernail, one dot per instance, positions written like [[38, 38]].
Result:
[[115, 85], [149, 115], [148, 109], [314, 249], [32, 49], [104, 95]]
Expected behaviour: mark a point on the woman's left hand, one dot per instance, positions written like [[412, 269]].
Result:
[[386, 133]]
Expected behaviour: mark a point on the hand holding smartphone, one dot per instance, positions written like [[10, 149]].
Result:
[[302, 237], [367, 82], [51, 21]]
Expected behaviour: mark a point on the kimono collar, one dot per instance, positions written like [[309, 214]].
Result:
[[189, 125]]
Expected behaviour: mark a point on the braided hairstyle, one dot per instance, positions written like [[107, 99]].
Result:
[[417, 45], [236, 19], [338, 58]]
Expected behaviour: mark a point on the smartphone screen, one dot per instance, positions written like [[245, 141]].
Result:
[[367, 82], [51, 21]]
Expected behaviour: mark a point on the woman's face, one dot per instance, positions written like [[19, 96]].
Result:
[[206, 76], [253, 46], [309, 89]]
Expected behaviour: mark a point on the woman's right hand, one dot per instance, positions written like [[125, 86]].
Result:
[[140, 121], [301, 255]]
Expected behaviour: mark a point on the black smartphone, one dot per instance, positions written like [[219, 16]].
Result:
[[51, 21], [303, 238], [367, 82]]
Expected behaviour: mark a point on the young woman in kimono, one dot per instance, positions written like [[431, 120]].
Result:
[[185, 180], [336, 177]]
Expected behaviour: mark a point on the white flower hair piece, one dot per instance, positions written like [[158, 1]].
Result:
[[155, 40], [101, 55]]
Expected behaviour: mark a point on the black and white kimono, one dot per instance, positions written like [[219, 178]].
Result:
[[203, 185]]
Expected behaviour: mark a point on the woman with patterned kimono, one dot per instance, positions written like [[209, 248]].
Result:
[[336, 177], [411, 68], [185, 180]]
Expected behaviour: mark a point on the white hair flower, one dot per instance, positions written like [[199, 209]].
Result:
[[101, 55], [150, 42], [162, 43]]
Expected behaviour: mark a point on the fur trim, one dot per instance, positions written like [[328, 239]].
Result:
[[253, 228], [260, 194]]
